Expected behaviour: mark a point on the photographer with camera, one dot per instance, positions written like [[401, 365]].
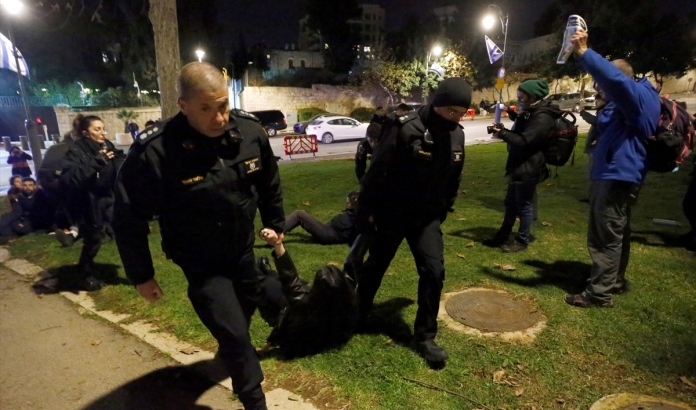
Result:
[[525, 166], [90, 168]]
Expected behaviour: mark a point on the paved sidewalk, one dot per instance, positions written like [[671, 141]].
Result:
[[53, 358]]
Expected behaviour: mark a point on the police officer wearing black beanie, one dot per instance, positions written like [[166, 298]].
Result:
[[407, 192]]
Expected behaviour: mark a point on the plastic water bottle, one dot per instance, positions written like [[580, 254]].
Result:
[[575, 22], [666, 222]]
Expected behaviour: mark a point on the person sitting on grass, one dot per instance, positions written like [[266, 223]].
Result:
[[14, 191], [306, 319], [341, 228], [33, 212]]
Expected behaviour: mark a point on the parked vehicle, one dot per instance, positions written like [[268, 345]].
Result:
[[272, 120], [567, 101], [337, 128], [301, 126], [590, 103]]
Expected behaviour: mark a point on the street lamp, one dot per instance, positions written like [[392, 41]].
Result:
[[200, 53], [435, 51], [14, 7], [488, 22]]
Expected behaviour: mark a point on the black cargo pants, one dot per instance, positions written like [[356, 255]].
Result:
[[224, 293], [425, 241]]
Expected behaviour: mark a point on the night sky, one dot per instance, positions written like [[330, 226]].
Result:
[[277, 22]]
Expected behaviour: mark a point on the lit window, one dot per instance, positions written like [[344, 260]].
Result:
[[105, 58], [366, 49]]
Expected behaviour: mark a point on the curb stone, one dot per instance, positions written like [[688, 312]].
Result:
[[147, 332]]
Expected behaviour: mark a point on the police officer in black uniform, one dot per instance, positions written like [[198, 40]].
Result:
[[204, 172], [407, 192]]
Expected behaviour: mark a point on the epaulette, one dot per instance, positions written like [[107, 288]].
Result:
[[149, 133], [408, 117], [244, 114]]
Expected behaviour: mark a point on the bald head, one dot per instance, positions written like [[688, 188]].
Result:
[[200, 77], [624, 66]]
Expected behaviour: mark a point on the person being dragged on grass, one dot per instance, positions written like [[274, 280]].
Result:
[[305, 319]]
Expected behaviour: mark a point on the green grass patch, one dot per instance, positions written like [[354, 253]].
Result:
[[643, 345]]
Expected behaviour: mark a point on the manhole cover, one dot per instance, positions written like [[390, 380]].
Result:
[[646, 405], [491, 311]]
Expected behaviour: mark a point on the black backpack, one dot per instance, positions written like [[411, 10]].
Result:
[[561, 143], [673, 139]]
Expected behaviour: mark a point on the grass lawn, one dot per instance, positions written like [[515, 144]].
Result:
[[643, 345]]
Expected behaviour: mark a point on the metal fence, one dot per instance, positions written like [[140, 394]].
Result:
[[16, 101]]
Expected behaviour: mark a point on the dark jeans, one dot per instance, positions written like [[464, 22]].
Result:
[[519, 201], [224, 293], [425, 241], [609, 236], [92, 231], [322, 233]]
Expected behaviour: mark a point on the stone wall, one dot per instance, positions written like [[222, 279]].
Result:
[[341, 100], [112, 124]]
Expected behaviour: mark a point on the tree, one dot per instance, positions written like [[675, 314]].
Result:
[[165, 27], [339, 34], [397, 79]]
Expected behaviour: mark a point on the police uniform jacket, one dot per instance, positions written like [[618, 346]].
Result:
[[204, 190], [526, 141], [361, 154], [415, 170]]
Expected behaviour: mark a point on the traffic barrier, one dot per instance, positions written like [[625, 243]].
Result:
[[300, 144], [470, 114]]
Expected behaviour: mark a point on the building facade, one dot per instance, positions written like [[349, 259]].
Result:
[[283, 60]]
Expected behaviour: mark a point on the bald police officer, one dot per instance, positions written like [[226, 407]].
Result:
[[204, 172]]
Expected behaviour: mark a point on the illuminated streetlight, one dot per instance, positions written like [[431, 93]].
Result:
[[495, 13], [12, 6], [200, 53]]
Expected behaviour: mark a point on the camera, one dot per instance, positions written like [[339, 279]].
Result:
[[490, 129]]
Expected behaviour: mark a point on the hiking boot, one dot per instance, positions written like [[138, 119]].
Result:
[[581, 301], [66, 238], [500, 238], [430, 350], [514, 246], [264, 265]]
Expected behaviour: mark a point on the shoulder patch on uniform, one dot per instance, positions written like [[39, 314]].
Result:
[[244, 114], [408, 117], [151, 132]]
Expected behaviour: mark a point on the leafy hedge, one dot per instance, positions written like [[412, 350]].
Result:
[[362, 114], [303, 114]]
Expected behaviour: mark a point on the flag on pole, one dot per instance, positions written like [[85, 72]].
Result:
[[7, 59], [494, 52]]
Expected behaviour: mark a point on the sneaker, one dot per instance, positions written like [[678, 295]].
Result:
[[430, 350], [514, 246], [581, 301], [66, 239]]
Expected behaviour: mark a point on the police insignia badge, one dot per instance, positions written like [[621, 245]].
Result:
[[193, 180], [252, 165], [457, 156]]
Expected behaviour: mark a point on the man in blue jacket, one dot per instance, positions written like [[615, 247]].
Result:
[[630, 115]]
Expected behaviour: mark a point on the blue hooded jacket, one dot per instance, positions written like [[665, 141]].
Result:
[[630, 115]]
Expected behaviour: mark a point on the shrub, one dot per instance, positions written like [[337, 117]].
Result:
[[303, 114], [362, 114]]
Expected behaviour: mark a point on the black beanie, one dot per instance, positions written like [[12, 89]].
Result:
[[452, 92]]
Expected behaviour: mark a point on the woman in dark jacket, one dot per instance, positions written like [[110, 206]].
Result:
[[90, 168], [305, 319], [526, 165]]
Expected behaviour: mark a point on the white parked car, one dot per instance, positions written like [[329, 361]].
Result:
[[332, 129]]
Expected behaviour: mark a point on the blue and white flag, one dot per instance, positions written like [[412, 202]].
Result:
[[7, 59], [494, 52]]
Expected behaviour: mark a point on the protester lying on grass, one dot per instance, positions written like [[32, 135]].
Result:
[[341, 228], [305, 319]]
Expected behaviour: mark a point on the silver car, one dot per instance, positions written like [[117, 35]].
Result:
[[567, 101]]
